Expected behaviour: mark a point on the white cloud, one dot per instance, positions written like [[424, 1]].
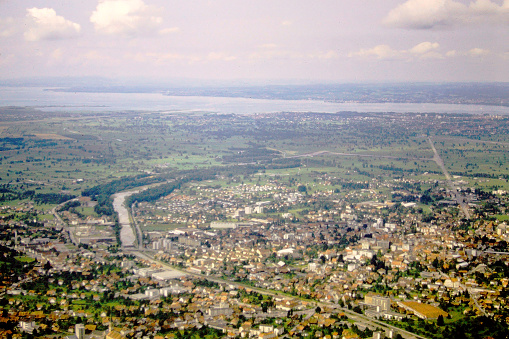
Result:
[[324, 55], [451, 53], [169, 30], [478, 52], [424, 50], [268, 46], [7, 59], [95, 55], [221, 56], [8, 27], [45, 24], [380, 52], [424, 47], [126, 17], [163, 58], [426, 14], [57, 54]]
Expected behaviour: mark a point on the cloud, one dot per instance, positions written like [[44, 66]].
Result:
[[424, 50], [268, 46], [427, 14], [478, 52], [169, 30], [57, 54], [7, 59], [221, 56], [286, 23], [163, 58], [45, 24], [126, 17], [8, 27], [324, 55], [380, 52], [424, 47], [451, 53]]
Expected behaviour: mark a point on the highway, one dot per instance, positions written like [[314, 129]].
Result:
[[64, 224], [457, 196], [318, 153], [139, 234]]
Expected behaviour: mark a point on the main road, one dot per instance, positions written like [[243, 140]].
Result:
[[141, 253], [457, 195], [360, 155], [366, 321], [63, 223]]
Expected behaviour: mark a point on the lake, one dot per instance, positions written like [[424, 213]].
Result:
[[48, 100]]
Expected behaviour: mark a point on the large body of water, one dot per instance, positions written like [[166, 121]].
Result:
[[113, 102]]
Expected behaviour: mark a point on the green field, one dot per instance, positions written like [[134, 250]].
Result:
[[71, 152]]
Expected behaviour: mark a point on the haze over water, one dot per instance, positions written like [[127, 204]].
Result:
[[108, 102]]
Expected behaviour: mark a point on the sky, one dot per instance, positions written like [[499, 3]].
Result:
[[258, 40]]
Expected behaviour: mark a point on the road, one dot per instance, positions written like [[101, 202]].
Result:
[[473, 140], [366, 321], [318, 153], [470, 293], [457, 196], [139, 234], [474, 299], [63, 223]]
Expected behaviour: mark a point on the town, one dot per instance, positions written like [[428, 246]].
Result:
[[272, 241]]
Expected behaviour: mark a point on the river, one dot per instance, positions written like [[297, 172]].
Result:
[[127, 235]]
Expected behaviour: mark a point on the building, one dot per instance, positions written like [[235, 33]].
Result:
[[79, 330], [423, 311], [221, 309], [221, 225], [27, 326], [114, 335], [373, 299], [189, 241]]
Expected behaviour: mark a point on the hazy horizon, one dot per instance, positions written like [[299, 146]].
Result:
[[257, 42]]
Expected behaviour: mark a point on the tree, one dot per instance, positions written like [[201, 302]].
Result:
[[440, 320], [323, 259], [318, 309], [264, 307]]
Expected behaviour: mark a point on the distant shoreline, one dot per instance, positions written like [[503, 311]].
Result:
[[48, 99]]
